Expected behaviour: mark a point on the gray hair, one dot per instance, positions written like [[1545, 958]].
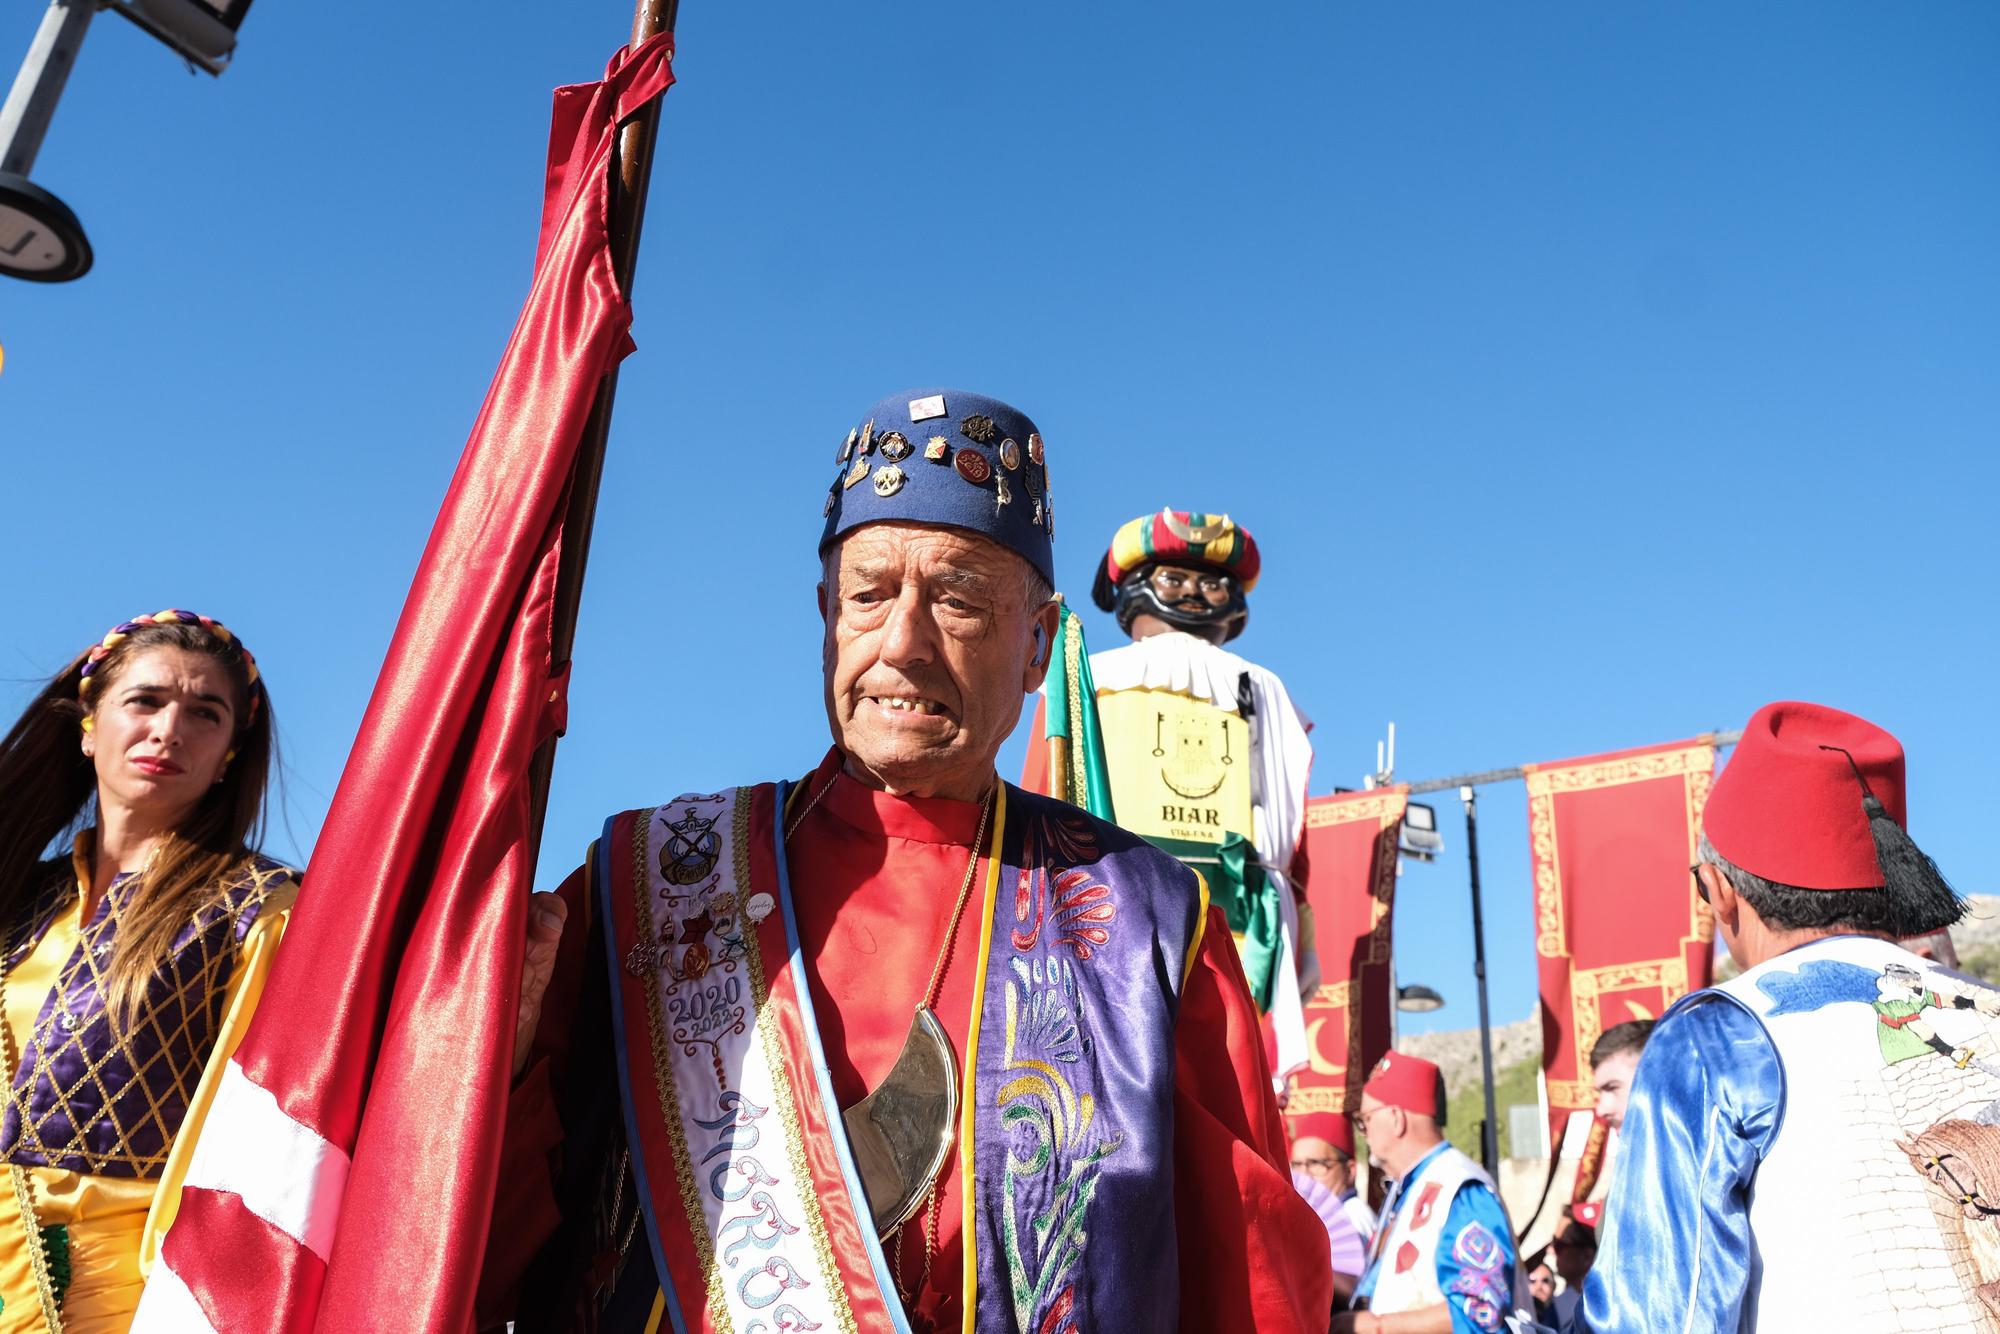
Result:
[[1879, 911]]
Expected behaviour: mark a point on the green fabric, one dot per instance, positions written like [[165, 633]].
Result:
[[1898, 1042], [1237, 885], [1071, 690], [55, 1243]]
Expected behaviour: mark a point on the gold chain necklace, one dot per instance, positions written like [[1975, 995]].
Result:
[[903, 1132]]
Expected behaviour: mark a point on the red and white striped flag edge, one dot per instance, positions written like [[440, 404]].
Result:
[[344, 1176]]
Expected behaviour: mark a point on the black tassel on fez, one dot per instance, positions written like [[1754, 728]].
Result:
[[1924, 900]]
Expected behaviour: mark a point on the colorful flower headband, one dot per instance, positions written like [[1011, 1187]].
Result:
[[172, 615]]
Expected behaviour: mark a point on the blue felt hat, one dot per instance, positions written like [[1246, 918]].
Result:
[[949, 457]]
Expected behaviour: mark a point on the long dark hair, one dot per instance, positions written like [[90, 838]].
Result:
[[48, 789]]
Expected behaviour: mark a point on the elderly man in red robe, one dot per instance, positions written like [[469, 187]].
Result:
[[896, 1045]]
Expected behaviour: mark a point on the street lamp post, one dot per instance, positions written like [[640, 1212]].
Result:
[[40, 237], [1489, 1138]]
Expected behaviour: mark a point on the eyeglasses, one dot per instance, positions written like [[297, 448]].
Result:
[[1323, 1164], [1359, 1120], [1700, 886]]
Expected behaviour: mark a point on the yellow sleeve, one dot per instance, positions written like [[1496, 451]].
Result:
[[246, 988]]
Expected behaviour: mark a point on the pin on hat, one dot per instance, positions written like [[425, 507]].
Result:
[[972, 433]]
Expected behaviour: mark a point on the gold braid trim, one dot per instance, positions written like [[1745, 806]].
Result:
[[24, 1186], [38, 1249], [704, 1244], [663, 1079], [1079, 769]]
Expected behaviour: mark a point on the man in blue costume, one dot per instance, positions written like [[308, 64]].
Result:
[[1443, 1260], [1812, 1144]]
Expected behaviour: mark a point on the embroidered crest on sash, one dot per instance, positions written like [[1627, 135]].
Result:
[[731, 1110]]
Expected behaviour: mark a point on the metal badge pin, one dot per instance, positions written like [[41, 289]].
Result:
[[923, 409], [888, 480], [979, 429], [938, 450], [1010, 454], [972, 466], [1036, 519], [895, 446], [1001, 494], [827, 508], [1035, 448], [847, 449], [868, 436], [856, 473], [68, 1023]]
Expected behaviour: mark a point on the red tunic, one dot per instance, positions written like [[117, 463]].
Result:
[[874, 878]]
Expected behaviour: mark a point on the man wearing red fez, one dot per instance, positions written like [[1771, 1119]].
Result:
[[1444, 1259], [1814, 1144], [1323, 1172], [1208, 757], [1323, 1148]]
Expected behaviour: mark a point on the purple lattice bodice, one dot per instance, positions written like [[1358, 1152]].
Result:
[[94, 1097]]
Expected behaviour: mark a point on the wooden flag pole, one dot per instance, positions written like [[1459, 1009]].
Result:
[[628, 214]]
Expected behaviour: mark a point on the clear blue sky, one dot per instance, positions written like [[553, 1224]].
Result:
[[1589, 373]]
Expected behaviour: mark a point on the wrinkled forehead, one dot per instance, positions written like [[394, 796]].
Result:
[[914, 550]]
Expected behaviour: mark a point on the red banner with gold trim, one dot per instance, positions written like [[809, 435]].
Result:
[[1619, 929], [1350, 842]]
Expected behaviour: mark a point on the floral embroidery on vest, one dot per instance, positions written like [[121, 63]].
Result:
[[1052, 1166]]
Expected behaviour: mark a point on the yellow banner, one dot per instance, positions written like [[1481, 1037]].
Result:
[[1180, 767]]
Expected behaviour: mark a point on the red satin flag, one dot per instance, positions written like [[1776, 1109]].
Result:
[[344, 1178], [1351, 843], [1619, 929]]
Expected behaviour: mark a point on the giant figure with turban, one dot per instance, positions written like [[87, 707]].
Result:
[[895, 1045], [1208, 755]]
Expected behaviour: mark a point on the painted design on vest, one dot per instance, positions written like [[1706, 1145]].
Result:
[[1900, 995], [1058, 1142], [1816, 985], [1484, 1277], [1904, 995], [1425, 1202], [1961, 1160], [1922, 1109]]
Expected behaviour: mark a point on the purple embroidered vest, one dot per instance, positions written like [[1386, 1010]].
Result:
[[1074, 1093], [1069, 1109], [105, 1101]]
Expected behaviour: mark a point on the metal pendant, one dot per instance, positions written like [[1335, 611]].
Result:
[[902, 1132]]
